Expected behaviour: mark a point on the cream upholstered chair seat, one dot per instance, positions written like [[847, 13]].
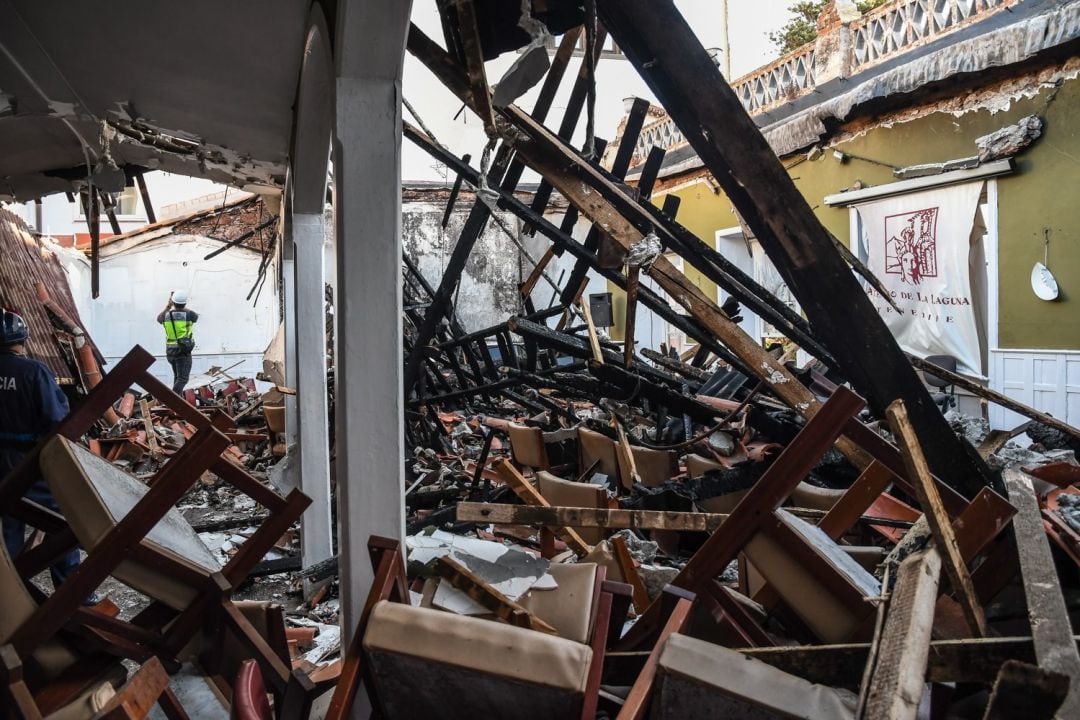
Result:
[[94, 495], [697, 679], [567, 493], [428, 663]]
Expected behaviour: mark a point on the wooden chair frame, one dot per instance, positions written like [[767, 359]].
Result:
[[147, 687], [755, 512], [157, 630], [609, 600]]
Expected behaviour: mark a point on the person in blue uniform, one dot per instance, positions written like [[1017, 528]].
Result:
[[31, 404]]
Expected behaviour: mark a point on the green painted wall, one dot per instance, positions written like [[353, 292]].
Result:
[[1043, 193]]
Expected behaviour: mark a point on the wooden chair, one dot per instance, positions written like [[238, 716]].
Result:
[[418, 662], [71, 677], [685, 677], [567, 493], [527, 446], [596, 447], [132, 532], [133, 700], [654, 467]]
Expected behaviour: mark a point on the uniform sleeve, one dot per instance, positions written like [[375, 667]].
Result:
[[54, 404], [161, 317], [193, 316]]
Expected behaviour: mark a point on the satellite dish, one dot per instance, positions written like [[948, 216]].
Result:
[[1043, 282]]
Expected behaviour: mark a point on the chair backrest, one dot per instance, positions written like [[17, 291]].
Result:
[[428, 663], [699, 679], [593, 446], [569, 607], [567, 493], [249, 694], [948, 362], [527, 446], [813, 497], [654, 467], [833, 611], [696, 465], [94, 495]]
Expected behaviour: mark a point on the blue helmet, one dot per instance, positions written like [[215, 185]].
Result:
[[13, 329]]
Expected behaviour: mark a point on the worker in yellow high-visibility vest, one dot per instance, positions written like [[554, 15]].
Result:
[[179, 323]]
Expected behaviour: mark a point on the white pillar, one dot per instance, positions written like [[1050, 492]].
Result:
[[316, 531], [369, 50], [289, 469]]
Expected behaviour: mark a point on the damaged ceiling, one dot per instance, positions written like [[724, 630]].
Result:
[[185, 89]]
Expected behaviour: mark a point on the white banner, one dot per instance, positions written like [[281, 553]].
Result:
[[922, 247]]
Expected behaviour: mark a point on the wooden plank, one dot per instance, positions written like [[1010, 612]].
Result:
[[897, 680], [594, 340], [629, 474], [630, 573], [138, 695], [637, 701], [1050, 626], [474, 63], [993, 396], [531, 496], [476, 588], [937, 517], [1026, 691], [854, 502], [148, 426], [633, 276], [717, 126], [576, 517]]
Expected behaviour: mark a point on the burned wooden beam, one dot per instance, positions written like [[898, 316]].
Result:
[[1051, 628], [93, 218], [478, 217], [579, 348], [674, 400], [717, 126], [562, 239], [148, 206], [625, 153], [626, 222], [452, 200]]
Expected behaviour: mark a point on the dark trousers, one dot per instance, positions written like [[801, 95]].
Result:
[[15, 534], [181, 369]]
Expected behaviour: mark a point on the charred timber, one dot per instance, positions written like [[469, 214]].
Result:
[[723, 135]]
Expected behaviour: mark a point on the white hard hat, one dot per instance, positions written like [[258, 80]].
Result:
[[180, 297]]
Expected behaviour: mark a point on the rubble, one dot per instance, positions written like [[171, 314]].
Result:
[[592, 529]]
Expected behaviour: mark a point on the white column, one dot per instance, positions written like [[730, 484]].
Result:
[[288, 469], [309, 233], [316, 531], [369, 51]]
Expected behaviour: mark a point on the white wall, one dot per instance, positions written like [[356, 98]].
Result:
[[135, 286]]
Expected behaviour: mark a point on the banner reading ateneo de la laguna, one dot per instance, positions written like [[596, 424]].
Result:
[[920, 247]]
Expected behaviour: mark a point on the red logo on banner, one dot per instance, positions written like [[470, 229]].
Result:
[[911, 245]]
